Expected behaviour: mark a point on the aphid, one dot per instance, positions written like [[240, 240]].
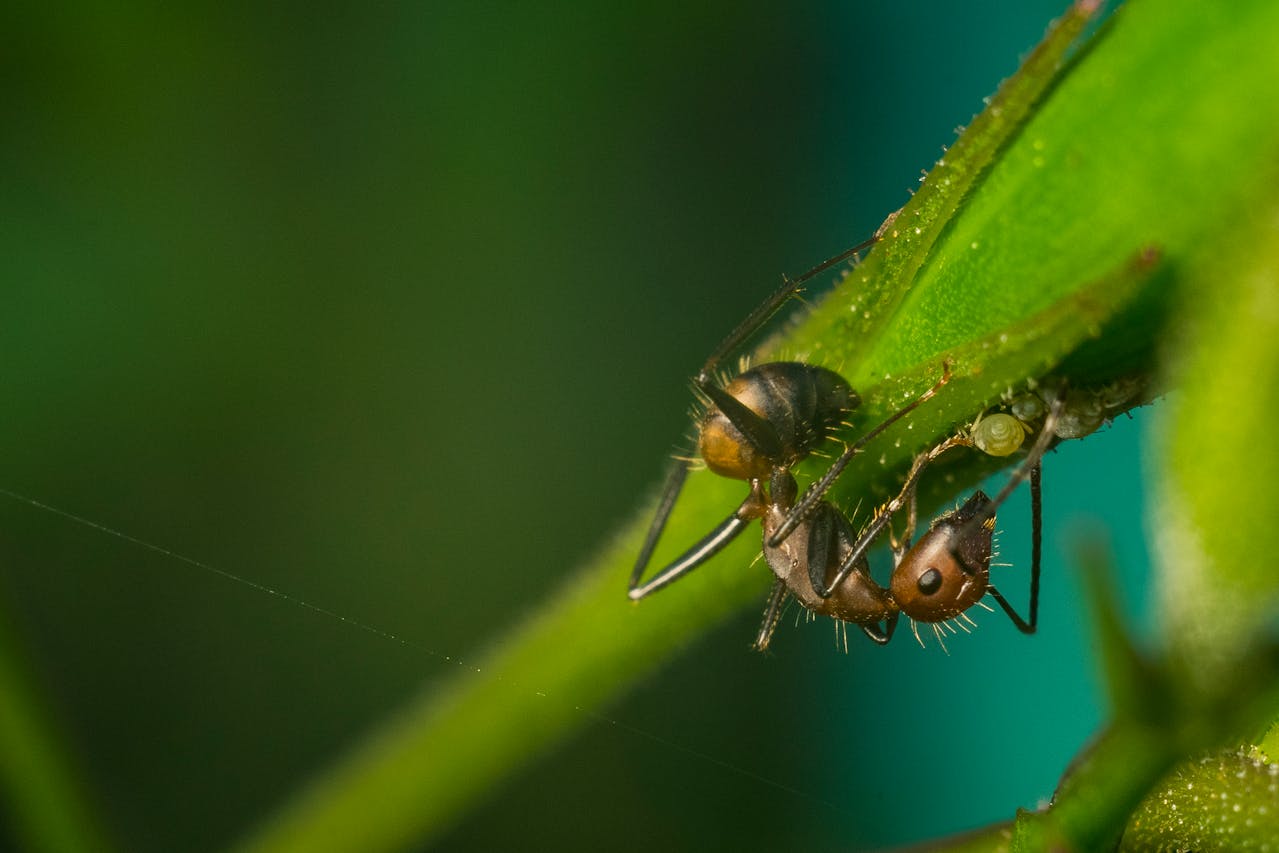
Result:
[[1083, 414], [756, 428], [1028, 407]]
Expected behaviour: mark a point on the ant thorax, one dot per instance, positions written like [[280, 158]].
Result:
[[825, 539]]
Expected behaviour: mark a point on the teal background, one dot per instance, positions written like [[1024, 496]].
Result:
[[392, 308]]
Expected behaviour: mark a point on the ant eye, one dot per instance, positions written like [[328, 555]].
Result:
[[929, 582]]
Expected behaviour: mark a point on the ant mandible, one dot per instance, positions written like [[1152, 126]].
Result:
[[935, 580], [757, 427]]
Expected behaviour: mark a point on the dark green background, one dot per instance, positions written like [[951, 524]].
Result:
[[391, 308]]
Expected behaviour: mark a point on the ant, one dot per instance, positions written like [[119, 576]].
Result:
[[933, 581], [756, 428]]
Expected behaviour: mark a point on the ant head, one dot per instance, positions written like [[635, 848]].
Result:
[[948, 569]]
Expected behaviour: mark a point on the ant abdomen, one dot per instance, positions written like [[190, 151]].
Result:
[[801, 403]]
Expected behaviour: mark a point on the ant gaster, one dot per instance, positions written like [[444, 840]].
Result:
[[757, 427]]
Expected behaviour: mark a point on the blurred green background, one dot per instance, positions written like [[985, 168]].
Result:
[[392, 307]]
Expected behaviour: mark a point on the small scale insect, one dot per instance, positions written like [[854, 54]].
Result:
[[756, 428], [934, 581]]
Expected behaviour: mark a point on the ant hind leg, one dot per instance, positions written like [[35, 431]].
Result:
[[709, 545]]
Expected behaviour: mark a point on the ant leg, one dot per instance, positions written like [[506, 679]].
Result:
[[710, 545], [890, 509], [817, 491], [759, 432], [846, 537], [1036, 539], [899, 548], [760, 315], [881, 635], [670, 492], [1027, 626], [772, 615], [820, 532]]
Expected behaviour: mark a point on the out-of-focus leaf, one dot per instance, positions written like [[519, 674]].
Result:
[[1214, 526], [1223, 801], [47, 804]]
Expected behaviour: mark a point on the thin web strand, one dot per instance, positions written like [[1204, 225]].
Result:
[[395, 638]]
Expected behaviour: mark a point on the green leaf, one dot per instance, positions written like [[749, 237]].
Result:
[[1028, 252]]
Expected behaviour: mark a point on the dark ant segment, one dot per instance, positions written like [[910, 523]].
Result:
[[757, 427]]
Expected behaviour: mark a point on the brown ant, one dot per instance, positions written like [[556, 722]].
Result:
[[757, 427], [935, 580]]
